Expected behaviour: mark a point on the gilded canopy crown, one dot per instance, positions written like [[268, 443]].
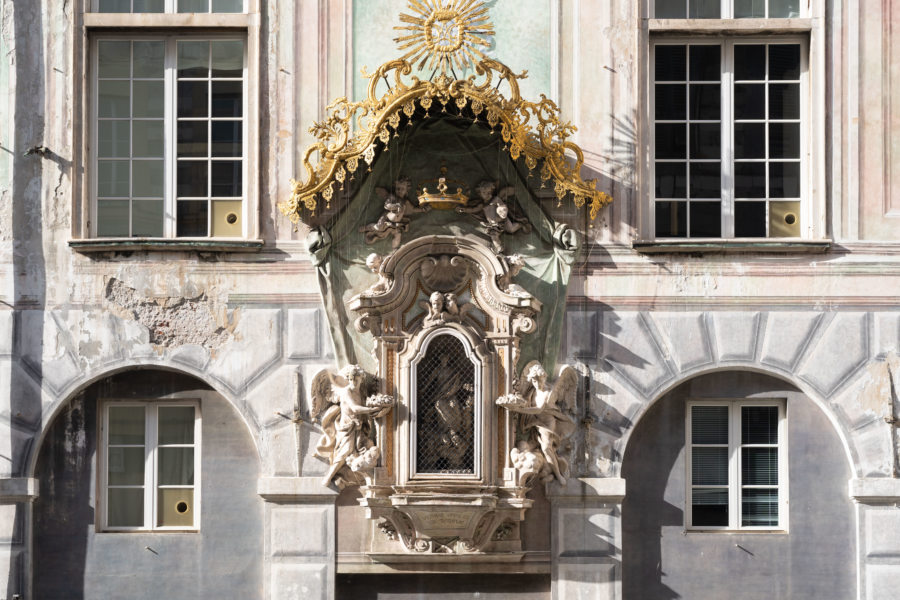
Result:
[[441, 35]]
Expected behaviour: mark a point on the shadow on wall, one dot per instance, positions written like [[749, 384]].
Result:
[[29, 279]]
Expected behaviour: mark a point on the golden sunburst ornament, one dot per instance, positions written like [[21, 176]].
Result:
[[445, 33]]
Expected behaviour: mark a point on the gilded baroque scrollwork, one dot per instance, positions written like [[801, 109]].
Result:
[[352, 131], [348, 411], [543, 423]]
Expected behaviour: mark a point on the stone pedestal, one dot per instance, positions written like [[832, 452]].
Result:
[[877, 501], [300, 538], [586, 534]]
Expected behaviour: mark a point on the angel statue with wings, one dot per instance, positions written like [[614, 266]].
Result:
[[349, 413], [394, 220], [542, 423]]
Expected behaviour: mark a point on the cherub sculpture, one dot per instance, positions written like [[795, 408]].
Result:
[[542, 424], [494, 211], [375, 262], [394, 220], [349, 412], [514, 264], [442, 308]]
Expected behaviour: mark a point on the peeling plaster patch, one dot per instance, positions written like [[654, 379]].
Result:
[[173, 320]]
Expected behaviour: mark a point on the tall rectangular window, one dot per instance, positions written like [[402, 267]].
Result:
[[736, 465], [170, 129], [151, 466], [728, 138]]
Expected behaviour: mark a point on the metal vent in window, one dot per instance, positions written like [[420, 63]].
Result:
[[445, 393]]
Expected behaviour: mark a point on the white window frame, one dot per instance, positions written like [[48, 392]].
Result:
[[170, 124], [726, 119], [170, 6], [726, 10], [735, 505], [132, 26], [151, 446]]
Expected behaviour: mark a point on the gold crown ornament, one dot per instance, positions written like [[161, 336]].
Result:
[[440, 199]]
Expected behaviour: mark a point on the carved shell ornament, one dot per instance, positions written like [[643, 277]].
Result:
[[441, 35]]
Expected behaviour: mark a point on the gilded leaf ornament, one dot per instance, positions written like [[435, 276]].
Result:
[[441, 35]]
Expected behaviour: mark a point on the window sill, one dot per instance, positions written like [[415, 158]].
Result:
[[731, 246], [729, 26], [91, 245]]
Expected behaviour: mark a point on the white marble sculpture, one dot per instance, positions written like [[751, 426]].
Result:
[[493, 213], [395, 218], [348, 415], [375, 262], [543, 424]]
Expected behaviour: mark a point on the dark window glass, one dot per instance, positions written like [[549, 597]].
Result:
[[749, 62], [784, 140], [193, 97], [227, 98], [705, 63], [669, 9], [192, 138], [759, 425], [706, 219], [709, 424], [749, 140], [670, 63], [226, 138], [709, 508], [750, 180], [670, 180], [705, 181], [192, 218], [784, 180], [784, 101], [192, 178], [671, 140], [671, 219], [749, 101], [784, 61], [226, 178], [670, 102], [750, 219], [706, 101], [706, 140], [704, 9]]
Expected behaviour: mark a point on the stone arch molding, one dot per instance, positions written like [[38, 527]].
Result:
[[644, 355]]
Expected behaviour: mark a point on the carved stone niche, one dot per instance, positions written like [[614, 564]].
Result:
[[446, 324]]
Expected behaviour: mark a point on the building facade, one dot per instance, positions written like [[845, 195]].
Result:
[[689, 391]]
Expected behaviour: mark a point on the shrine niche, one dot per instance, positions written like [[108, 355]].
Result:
[[442, 275]]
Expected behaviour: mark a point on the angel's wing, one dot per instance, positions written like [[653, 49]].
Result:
[[525, 389], [565, 387], [321, 393], [383, 193]]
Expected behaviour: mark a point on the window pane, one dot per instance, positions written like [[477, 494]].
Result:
[[112, 218], [784, 9], [759, 508], [670, 63], [709, 424], [176, 466], [750, 180], [749, 62], [759, 466], [126, 465], [709, 508], [176, 424], [115, 6], [706, 219], [193, 98], [705, 63], [225, 6], [671, 179], [784, 61], [749, 101], [784, 140], [192, 178], [784, 219], [112, 178], [671, 219], [193, 57], [749, 8], [125, 507], [749, 140], [750, 219], [705, 102], [228, 99], [227, 58], [187, 6], [176, 508], [226, 138], [149, 99], [149, 58], [784, 180], [704, 9], [148, 180], [226, 178], [709, 466], [671, 141], [706, 141], [192, 218], [670, 102], [114, 58], [705, 183], [148, 139], [784, 101], [149, 6], [759, 424], [114, 100], [192, 138], [115, 139], [670, 9], [147, 218]]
